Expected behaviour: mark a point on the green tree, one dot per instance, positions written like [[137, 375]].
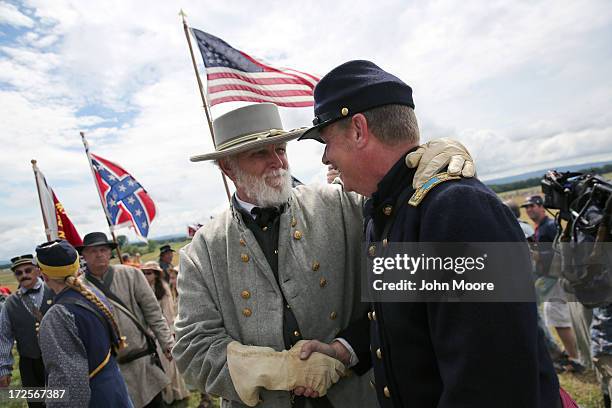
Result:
[[122, 240]]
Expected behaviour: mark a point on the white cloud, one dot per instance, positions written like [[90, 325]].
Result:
[[11, 15]]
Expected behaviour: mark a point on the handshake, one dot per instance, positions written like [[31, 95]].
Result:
[[310, 370]]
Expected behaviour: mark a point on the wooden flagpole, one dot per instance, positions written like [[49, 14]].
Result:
[[202, 95], [93, 173], [35, 169]]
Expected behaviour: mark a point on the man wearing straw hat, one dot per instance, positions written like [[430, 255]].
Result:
[[19, 320], [279, 266]]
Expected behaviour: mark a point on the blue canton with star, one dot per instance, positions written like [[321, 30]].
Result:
[[217, 53], [122, 190]]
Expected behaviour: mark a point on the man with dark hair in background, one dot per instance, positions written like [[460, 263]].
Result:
[[556, 308]]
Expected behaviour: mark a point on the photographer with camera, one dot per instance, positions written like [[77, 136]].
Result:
[[584, 202], [556, 309]]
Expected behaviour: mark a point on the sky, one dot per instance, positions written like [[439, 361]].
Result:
[[523, 85]]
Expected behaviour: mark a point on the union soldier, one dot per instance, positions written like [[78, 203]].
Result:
[[19, 320], [79, 336], [442, 354]]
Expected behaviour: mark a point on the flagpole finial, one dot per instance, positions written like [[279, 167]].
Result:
[[182, 14], [33, 161]]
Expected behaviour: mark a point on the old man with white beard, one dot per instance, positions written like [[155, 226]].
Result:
[[279, 266]]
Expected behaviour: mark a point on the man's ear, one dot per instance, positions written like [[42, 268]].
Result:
[[361, 133], [226, 168]]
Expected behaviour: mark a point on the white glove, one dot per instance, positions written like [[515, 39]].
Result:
[[432, 157], [254, 367]]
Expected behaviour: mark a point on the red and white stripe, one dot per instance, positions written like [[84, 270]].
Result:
[[281, 86]]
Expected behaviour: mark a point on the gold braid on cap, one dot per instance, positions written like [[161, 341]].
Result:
[[59, 271], [76, 284]]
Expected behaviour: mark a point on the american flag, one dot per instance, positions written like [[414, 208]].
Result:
[[235, 76], [125, 200]]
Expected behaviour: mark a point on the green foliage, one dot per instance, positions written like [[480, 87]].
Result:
[[152, 246], [122, 240]]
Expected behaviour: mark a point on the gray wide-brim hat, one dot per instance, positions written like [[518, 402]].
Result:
[[247, 128]]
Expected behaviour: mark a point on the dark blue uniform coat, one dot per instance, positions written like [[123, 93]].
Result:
[[451, 355]]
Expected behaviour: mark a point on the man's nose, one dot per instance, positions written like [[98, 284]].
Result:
[[324, 157]]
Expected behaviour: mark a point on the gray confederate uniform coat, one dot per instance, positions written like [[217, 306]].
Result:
[[227, 291], [144, 379]]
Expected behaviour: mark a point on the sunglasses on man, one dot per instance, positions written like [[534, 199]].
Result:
[[20, 272]]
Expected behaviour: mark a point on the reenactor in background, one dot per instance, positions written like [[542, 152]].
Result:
[[19, 320], [166, 254], [79, 336], [556, 307], [137, 313]]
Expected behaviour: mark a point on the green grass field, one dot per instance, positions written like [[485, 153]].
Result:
[[192, 402]]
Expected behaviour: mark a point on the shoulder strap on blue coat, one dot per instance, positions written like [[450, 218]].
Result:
[[422, 191]]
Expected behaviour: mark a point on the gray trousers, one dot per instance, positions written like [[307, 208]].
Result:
[[581, 321]]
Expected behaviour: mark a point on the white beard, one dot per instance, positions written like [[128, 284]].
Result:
[[263, 194]]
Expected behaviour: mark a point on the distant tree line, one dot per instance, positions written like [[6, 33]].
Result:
[[535, 181], [143, 247]]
